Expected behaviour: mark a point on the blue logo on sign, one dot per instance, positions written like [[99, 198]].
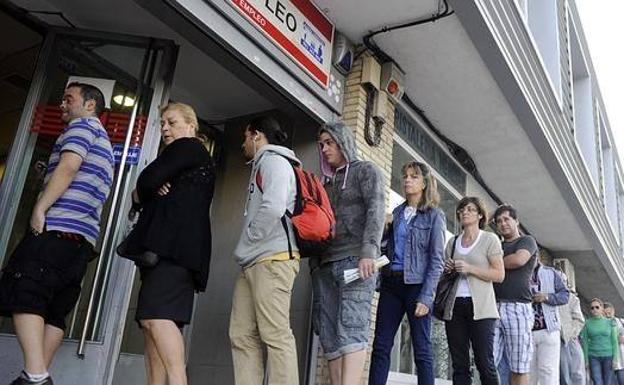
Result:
[[312, 43], [133, 154]]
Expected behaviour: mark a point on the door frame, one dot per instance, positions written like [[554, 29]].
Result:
[[98, 358]]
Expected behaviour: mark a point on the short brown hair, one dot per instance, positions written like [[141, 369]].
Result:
[[430, 197], [465, 201]]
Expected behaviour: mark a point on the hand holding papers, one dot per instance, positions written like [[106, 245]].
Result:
[[351, 275]]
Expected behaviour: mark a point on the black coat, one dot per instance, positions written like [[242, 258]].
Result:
[[177, 226]]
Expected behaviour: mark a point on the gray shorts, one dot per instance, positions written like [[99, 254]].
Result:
[[341, 313]]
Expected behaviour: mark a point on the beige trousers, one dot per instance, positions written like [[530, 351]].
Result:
[[261, 316]]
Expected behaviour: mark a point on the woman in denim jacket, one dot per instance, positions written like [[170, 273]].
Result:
[[415, 245]]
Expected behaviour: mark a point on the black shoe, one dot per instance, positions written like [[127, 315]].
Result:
[[21, 380]]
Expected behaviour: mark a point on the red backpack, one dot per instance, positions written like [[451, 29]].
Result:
[[313, 219]]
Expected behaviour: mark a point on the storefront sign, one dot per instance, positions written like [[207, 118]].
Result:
[[131, 158], [421, 142], [298, 28]]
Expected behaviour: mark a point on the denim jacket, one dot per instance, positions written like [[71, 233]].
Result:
[[424, 250]]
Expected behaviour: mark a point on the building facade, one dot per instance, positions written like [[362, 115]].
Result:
[[499, 98]]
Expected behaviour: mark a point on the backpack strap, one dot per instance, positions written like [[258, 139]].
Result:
[[453, 246], [285, 226], [287, 213]]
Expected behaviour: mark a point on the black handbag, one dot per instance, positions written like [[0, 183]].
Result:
[[145, 258], [444, 290], [142, 258]]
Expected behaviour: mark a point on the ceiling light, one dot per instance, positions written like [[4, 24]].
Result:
[[124, 100]]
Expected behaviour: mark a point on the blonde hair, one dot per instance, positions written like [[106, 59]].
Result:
[[598, 300], [187, 112], [430, 197]]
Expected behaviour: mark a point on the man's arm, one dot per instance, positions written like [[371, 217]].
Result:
[[373, 193], [277, 174], [61, 178], [561, 294], [525, 248], [517, 259]]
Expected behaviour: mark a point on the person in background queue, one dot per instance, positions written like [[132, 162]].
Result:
[[470, 320], [341, 313], [415, 247]]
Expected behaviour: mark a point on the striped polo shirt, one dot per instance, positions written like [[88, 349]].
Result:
[[79, 209]]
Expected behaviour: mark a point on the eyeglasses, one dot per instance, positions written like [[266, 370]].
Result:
[[468, 209], [595, 307]]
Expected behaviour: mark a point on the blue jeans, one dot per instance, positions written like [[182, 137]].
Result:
[[601, 370], [396, 300], [619, 376]]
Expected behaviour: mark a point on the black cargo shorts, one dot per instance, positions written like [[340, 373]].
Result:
[[43, 276]]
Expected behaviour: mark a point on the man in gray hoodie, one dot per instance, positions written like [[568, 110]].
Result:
[[269, 259], [341, 313]]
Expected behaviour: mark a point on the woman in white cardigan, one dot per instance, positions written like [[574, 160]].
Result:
[[478, 258]]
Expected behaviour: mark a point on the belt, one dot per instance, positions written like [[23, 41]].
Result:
[[391, 273], [64, 235]]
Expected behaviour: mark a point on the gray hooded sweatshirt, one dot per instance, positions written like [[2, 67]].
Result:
[[358, 198], [263, 234]]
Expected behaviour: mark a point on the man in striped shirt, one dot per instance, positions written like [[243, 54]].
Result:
[[41, 282]]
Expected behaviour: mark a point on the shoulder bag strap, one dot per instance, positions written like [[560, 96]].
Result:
[[453, 246]]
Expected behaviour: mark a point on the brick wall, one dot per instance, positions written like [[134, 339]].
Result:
[[354, 116]]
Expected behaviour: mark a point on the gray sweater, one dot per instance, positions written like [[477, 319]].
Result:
[[263, 234], [358, 198]]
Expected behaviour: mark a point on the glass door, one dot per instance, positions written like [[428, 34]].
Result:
[[134, 74]]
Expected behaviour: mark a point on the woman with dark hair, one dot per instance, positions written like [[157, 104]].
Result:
[[599, 339], [269, 259], [174, 193], [415, 246], [477, 257]]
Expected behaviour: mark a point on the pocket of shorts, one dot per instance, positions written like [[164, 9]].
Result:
[[19, 269], [355, 308]]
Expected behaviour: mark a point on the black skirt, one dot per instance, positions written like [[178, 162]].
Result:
[[167, 292]]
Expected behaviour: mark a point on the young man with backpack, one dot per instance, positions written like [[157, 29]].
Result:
[[269, 258], [341, 312]]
